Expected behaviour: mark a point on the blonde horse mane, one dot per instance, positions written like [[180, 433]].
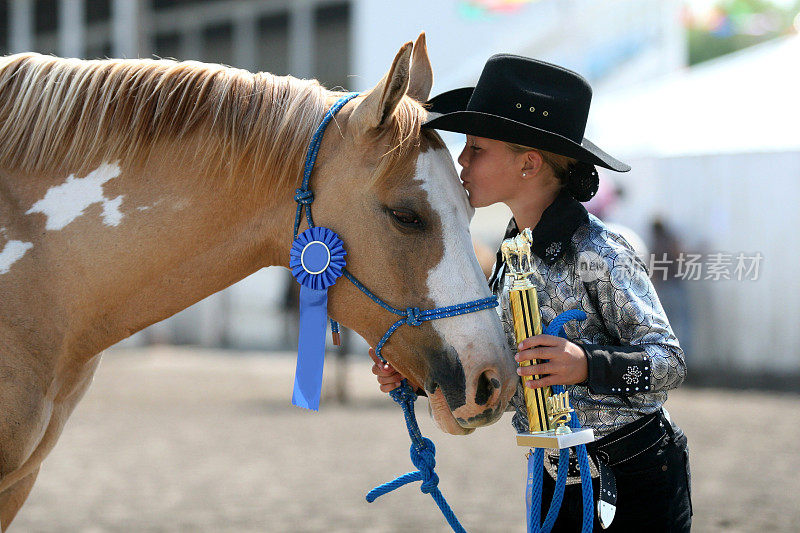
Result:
[[58, 112]]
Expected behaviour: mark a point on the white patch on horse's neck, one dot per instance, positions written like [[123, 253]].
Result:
[[11, 253], [64, 203], [458, 277]]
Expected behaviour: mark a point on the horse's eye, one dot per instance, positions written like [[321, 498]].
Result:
[[406, 218]]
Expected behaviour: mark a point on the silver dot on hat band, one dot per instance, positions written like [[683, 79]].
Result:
[[519, 106], [545, 113], [532, 109]]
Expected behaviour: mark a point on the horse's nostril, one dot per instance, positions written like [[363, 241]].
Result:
[[484, 389]]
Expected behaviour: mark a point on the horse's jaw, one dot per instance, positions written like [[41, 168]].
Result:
[[443, 416]]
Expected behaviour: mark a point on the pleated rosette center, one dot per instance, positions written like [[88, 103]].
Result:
[[317, 258]]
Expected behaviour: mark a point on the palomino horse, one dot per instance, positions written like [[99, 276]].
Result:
[[131, 189]]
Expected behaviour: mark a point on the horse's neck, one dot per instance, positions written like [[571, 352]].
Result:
[[146, 245]]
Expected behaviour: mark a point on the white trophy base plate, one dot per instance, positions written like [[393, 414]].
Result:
[[549, 439]]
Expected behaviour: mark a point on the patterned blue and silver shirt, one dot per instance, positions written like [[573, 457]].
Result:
[[634, 357]]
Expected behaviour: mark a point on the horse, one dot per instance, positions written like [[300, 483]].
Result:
[[131, 189]]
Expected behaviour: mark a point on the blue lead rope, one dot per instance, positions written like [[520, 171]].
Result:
[[423, 455], [533, 493]]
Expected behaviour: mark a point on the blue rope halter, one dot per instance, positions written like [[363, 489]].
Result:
[[423, 451]]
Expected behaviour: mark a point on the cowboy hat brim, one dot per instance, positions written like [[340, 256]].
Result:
[[448, 111]]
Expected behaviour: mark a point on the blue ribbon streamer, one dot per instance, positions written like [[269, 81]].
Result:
[[310, 348]]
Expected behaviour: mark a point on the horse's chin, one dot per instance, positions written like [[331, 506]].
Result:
[[444, 417]]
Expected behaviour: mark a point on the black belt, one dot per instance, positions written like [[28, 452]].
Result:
[[631, 439], [617, 447]]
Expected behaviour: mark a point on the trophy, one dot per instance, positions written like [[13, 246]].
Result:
[[548, 412]]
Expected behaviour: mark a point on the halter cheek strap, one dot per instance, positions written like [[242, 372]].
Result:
[[303, 196]]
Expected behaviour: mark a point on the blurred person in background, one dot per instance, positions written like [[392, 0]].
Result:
[[670, 286]]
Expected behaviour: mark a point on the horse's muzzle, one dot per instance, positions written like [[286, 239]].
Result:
[[476, 395]]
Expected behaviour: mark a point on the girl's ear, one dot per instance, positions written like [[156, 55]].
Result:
[[532, 162]]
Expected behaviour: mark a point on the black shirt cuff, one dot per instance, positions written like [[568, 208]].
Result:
[[618, 370]]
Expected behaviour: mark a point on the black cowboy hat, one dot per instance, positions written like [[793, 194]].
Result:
[[527, 102]]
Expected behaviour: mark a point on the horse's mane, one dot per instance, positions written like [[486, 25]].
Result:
[[58, 112]]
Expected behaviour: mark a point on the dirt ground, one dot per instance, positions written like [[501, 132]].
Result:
[[172, 439]]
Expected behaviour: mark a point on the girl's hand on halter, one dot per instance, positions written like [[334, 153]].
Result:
[[566, 362], [388, 378]]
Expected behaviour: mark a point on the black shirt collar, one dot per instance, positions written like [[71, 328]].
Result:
[[553, 232]]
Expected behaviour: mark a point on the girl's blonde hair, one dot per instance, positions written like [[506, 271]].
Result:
[[559, 163]]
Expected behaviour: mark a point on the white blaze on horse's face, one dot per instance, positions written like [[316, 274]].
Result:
[[477, 338], [64, 203]]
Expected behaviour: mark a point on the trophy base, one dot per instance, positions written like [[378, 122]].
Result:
[[549, 439]]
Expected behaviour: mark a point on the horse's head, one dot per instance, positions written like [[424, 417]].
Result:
[[390, 190]]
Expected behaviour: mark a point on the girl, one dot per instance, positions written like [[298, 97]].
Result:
[[524, 122]]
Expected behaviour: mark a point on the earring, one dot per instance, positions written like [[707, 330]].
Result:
[[523, 174]]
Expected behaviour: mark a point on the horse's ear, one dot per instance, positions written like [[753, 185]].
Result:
[[421, 82], [382, 100]]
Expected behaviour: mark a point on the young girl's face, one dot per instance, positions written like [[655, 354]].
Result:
[[491, 172]]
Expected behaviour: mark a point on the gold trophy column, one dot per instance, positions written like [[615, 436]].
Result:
[[548, 413], [527, 323]]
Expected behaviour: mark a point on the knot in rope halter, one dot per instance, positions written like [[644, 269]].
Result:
[[412, 316], [425, 461], [303, 196]]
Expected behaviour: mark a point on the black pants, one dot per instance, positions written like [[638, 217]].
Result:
[[653, 484]]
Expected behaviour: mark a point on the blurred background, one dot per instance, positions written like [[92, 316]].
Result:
[[699, 96]]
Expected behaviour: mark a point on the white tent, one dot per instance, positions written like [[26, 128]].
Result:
[[743, 102]]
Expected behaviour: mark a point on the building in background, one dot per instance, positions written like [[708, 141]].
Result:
[[307, 38], [611, 43]]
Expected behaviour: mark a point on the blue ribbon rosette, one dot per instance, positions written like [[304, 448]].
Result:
[[317, 261]]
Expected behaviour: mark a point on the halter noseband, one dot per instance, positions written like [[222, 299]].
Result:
[[412, 316]]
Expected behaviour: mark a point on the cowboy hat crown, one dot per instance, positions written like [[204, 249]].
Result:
[[527, 102]]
